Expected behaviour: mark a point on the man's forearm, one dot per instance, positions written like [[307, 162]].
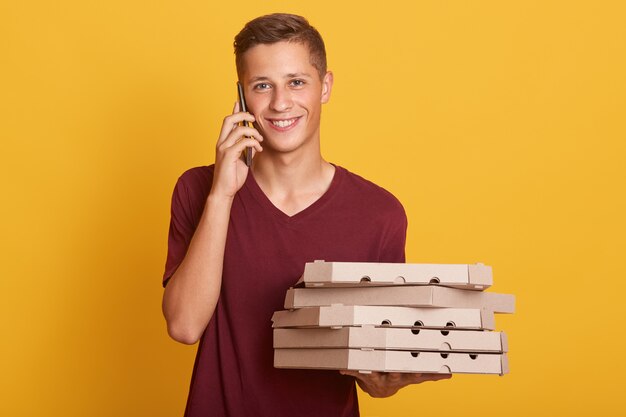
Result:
[[192, 292]]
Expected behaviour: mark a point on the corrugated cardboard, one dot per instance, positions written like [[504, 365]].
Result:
[[370, 337], [391, 361], [409, 296], [336, 316], [350, 274]]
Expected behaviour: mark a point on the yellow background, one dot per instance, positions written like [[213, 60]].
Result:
[[500, 126]]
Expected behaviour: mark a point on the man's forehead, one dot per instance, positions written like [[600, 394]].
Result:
[[278, 60]]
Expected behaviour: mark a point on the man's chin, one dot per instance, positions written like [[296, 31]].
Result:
[[282, 147]]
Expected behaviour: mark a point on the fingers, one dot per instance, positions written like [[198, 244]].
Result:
[[384, 384], [371, 378], [396, 378], [232, 121], [367, 378], [438, 377], [419, 378], [233, 152], [237, 135]]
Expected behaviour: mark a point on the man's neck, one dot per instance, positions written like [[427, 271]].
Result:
[[292, 181]]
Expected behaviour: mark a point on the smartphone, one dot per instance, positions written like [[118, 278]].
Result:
[[244, 108]]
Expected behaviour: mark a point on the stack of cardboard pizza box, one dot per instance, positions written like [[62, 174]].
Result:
[[426, 318]]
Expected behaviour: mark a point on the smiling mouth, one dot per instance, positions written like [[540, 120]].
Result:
[[283, 123]]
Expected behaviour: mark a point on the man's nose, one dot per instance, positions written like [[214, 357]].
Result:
[[281, 100]]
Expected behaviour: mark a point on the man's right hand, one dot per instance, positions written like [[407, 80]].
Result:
[[230, 169]]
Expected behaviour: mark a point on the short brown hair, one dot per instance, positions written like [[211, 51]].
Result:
[[278, 27]]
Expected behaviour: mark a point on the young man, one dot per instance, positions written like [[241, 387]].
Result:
[[239, 237]]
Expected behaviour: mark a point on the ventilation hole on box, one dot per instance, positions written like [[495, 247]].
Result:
[[399, 280], [434, 280], [417, 324], [444, 355], [448, 325], [415, 354], [473, 356], [365, 278], [385, 323]]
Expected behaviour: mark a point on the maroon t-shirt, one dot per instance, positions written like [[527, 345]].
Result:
[[354, 221]]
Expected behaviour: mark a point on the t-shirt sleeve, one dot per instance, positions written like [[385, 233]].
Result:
[[392, 245], [187, 205]]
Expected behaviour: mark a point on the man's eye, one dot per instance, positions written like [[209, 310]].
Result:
[[297, 83], [262, 86]]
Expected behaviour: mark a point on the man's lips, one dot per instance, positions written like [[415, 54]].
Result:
[[283, 125]]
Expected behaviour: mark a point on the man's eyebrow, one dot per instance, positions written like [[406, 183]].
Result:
[[290, 75], [298, 75], [258, 78]]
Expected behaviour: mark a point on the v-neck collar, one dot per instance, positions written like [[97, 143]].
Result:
[[264, 201]]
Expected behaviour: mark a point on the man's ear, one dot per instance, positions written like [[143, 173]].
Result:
[[327, 86]]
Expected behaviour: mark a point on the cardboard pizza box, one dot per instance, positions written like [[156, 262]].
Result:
[[392, 361], [370, 337], [350, 274], [408, 296], [339, 315]]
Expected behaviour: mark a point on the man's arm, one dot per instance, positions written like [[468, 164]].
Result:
[[192, 291]]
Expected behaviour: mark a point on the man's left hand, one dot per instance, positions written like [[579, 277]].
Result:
[[385, 384]]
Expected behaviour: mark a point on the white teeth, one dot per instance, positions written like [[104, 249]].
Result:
[[283, 123]]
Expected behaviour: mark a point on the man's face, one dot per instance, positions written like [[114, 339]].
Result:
[[285, 94]]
